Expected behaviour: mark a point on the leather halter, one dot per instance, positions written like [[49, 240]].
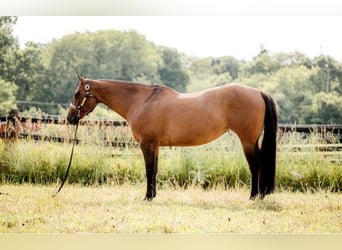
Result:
[[87, 95]]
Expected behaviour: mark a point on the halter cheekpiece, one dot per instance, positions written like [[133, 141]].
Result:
[[85, 98]]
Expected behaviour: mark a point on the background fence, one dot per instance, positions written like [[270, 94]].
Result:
[[31, 127]]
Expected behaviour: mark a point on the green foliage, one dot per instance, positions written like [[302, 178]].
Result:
[[291, 89], [171, 71], [262, 64], [323, 102], [331, 74], [100, 55], [306, 90], [226, 64], [47, 73], [7, 96], [292, 79], [8, 46], [218, 164], [30, 72]]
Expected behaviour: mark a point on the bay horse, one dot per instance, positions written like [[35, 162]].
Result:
[[160, 116]]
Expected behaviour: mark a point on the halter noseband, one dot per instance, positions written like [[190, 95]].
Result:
[[85, 98]]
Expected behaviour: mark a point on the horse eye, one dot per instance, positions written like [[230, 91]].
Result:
[[77, 94]]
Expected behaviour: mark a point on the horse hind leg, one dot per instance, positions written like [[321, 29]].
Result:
[[252, 153], [150, 152]]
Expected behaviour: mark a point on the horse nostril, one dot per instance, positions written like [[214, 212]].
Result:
[[69, 119], [72, 118]]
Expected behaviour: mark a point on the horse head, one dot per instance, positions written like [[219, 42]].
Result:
[[83, 101]]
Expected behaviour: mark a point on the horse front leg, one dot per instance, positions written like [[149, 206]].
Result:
[[150, 152]]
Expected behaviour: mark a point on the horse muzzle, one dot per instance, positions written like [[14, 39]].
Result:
[[73, 116]]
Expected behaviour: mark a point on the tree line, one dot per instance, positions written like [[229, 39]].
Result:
[[306, 90]]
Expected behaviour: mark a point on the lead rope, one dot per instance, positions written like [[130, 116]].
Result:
[[67, 172]]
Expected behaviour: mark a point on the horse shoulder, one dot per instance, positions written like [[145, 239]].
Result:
[[143, 119]]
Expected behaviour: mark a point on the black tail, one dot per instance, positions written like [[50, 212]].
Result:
[[268, 148]]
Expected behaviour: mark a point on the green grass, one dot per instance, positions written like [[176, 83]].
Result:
[[120, 209], [217, 164], [200, 189]]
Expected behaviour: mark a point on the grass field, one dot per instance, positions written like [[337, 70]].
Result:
[[120, 209], [300, 165], [200, 190]]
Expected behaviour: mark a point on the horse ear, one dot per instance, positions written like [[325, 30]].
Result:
[[80, 77]]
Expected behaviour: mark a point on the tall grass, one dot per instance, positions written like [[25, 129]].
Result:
[[303, 167], [220, 163]]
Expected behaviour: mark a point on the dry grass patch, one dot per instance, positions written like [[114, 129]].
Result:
[[120, 209]]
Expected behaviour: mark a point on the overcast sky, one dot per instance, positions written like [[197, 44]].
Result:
[[203, 36]]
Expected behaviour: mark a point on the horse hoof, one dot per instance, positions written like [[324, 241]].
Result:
[[262, 196], [253, 197], [148, 198]]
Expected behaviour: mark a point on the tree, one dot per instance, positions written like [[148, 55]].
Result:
[[7, 96], [291, 82], [291, 88], [226, 64], [30, 73], [326, 108], [171, 72], [264, 63], [103, 54], [330, 75], [306, 91], [21, 67], [8, 45]]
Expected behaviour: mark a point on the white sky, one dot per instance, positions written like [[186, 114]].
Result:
[[237, 36]]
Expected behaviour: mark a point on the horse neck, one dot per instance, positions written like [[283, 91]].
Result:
[[119, 96]]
